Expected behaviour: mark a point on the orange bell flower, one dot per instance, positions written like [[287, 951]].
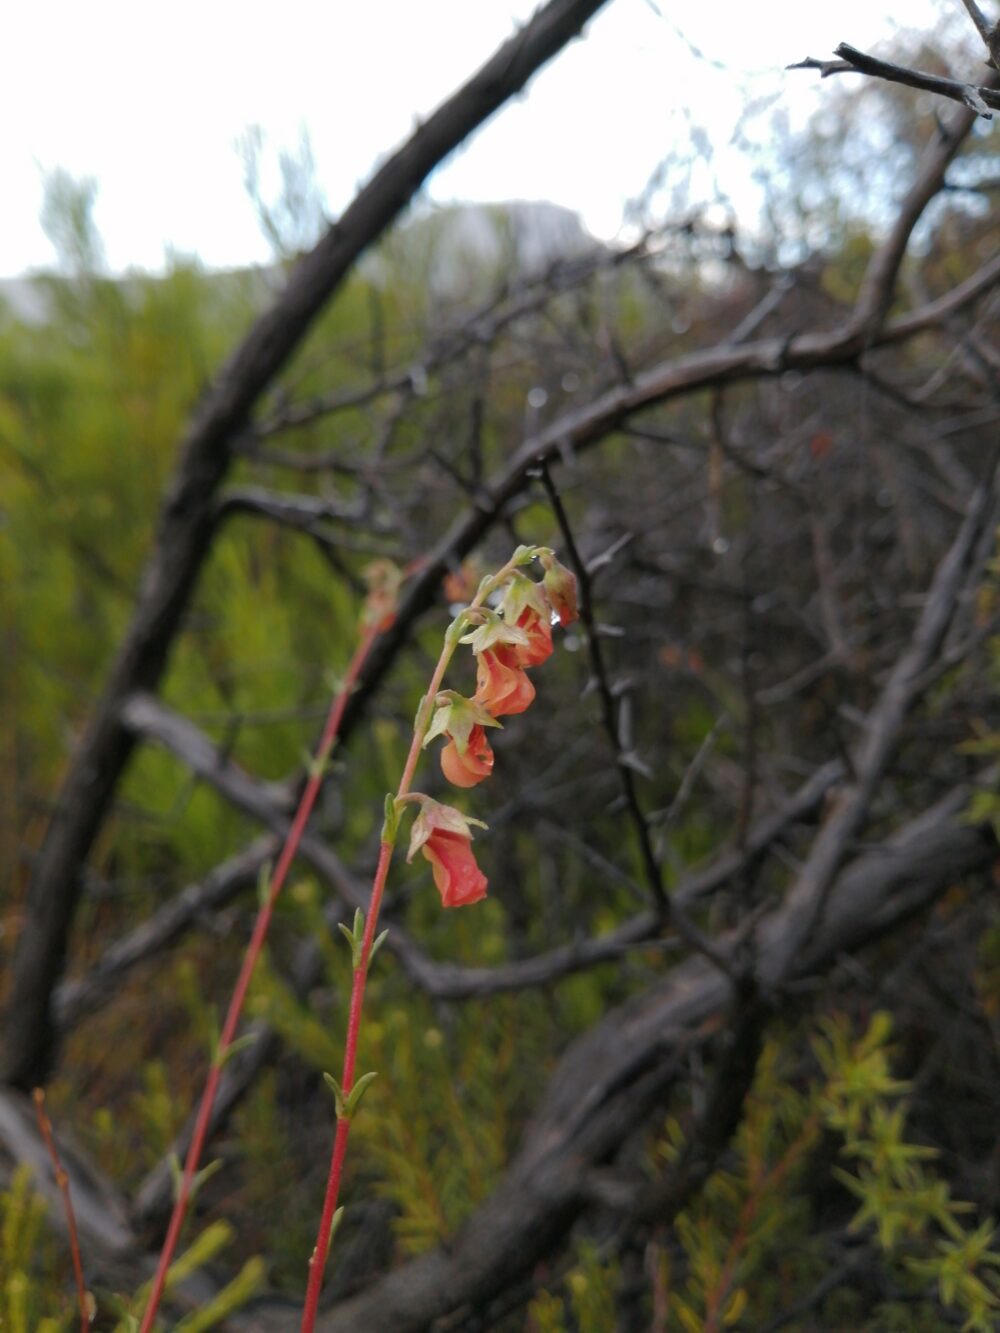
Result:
[[445, 838], [469, 767], [502, 686]]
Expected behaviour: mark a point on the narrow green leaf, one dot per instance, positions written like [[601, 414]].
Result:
[[358, 1091], [338, 1096], [205, 1174], [377, 943], [338, 1217], [234, 1047]]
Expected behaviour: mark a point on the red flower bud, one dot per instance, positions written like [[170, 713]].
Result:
[[501, 685], [539, 631], [560, 588], [465, 769], [526, 607]]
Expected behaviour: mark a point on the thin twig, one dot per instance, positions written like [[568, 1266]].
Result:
[[807, 900], [665, 907], [852, 61], [84, 1298], [989, 32]]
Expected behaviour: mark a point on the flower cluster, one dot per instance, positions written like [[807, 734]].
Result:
[[506, 642]]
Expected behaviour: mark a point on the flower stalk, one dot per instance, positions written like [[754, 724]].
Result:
[[503, 648]]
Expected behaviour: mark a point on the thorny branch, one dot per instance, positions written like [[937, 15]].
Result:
[[983, 100]]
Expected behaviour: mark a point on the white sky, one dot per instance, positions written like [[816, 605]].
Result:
[[151, 99]]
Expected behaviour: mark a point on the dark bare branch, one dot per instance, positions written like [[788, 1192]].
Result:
[[879, 281], [989, 32], [76, 998], [983, 101], [806, 900], [305, 512], [664, 906]]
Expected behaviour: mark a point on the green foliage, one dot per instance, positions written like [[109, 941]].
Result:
[[156, 1110], [68, 222], [748, 1246], [744, 1239], [33, 1297], [37, 1294], [436, 1125], [201, 1252], [588, 1305]]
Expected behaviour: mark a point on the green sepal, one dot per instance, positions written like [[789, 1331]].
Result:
[[492, 630], [433, 817], [422, 715], [453, 634], [523, 592], [240, 1044], [438, 725], [390, 823], [524, 555], [455, 716]]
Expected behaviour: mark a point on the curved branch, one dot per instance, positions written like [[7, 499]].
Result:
[[76, 998], [853, 61]]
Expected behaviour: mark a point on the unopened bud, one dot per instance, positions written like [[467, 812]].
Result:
[[560, 588]]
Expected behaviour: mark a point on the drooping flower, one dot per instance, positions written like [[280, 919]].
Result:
[[560, 588], [502, 686], [465, 768], [444, 836], [539, 631], [526, 607], [468, 757]]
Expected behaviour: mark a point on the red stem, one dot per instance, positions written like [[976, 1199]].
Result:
[[261, 925], [317, 1261], [62, 1180]]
